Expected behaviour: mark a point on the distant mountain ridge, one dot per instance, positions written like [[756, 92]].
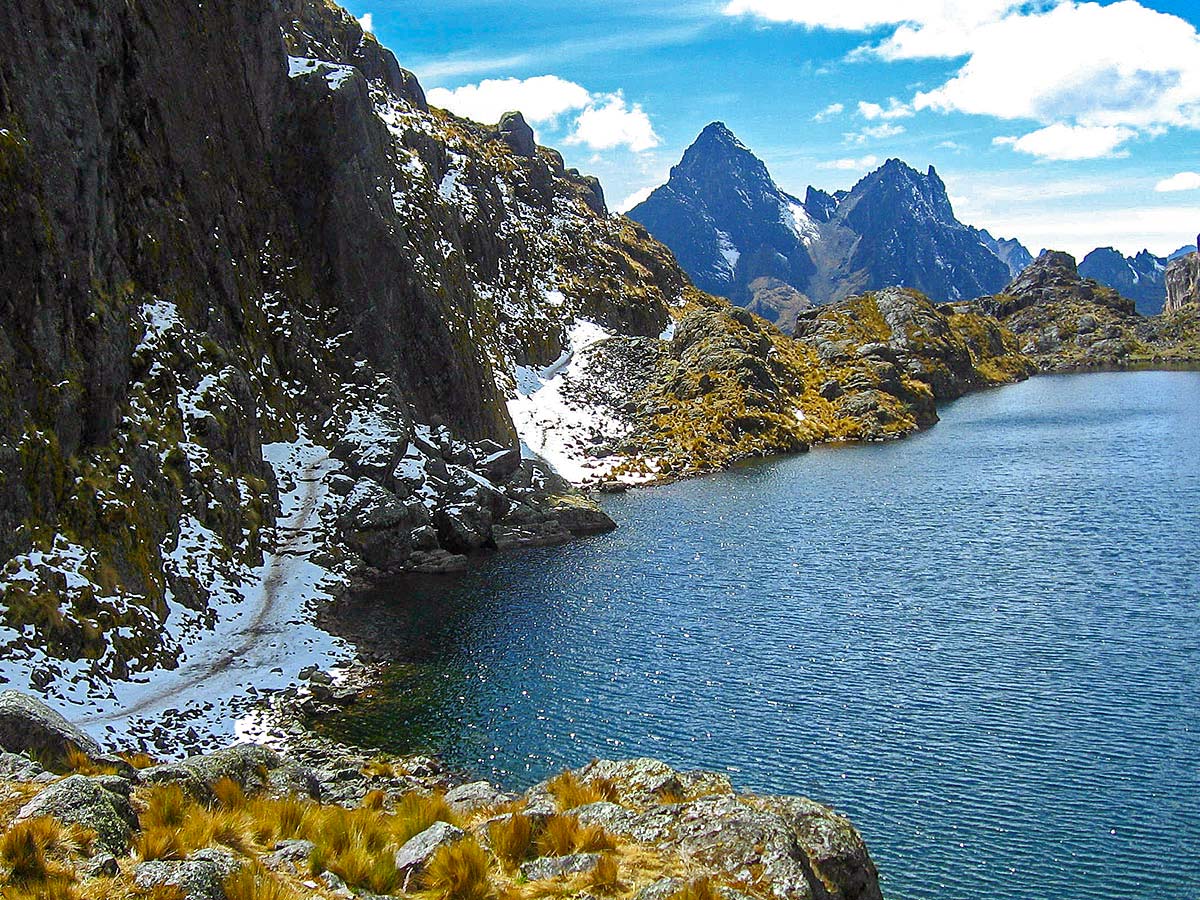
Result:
[[1140, 278], [738, 234]]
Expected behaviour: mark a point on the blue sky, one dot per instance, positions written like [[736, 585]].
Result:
[[1066, 124]]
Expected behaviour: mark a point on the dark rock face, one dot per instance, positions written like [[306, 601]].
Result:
[[726, 221], [739, 235], [1141, 277], [515, 132], [909, 237], [225, 226], [1182, 280], [29, 726], [1011, 252]]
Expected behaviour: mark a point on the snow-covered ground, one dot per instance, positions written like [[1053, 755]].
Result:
[[558, 423], [262, 632], [260, 641]]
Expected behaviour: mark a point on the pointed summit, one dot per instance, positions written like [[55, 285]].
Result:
[[731, 227]]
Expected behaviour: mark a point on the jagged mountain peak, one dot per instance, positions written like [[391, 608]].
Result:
[[718, 154], [739, 234]]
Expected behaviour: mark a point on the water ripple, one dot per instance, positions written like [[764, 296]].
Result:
[[983, 643]]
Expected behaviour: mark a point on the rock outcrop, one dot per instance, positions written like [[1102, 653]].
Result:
[[29, 726], [385, 827], [1065, 322], [1182, 282]]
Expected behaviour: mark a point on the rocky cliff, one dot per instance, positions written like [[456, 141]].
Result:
[[258, 298], [1182, 282]]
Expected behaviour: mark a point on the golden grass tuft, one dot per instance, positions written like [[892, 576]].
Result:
[[459, 871], [166, 807], [254, 882], [696, 889], [23, 849], [374, 800], [228, 794], [605, 878], [139, 760], [511, 839], [569, 792], [30, 854], [55, 888], [75, 760], [563, 835]]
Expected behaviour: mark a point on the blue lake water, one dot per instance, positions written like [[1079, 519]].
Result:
[[981, 643]]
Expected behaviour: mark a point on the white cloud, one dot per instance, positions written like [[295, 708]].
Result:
[[1097, 66], [1104, 68], [850, 165], [601, 121], [634, 199], [833, 109], [865, 15], [367, 21], [894, 110], [1068, 142], [541, 99], [879, 132], [1184, 181], [611, 122]]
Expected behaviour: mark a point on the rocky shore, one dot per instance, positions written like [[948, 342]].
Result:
[[315, 819]]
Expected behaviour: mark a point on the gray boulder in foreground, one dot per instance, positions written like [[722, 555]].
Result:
[[201, 876], [27, 725], [78, 800], [414, 856]]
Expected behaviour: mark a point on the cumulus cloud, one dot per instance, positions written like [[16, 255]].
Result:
[[1099, 70], [1071, 142], [611, 122], [1184, 181], [882, 131], [599, 121], [833, 109], [850, 165], [894, 110], [634, 199], [541, 99], [367, 21]]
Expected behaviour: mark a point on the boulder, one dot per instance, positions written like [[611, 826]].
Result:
[[15, 767], [834, 849], [201, 876], [247, 764], [546, 867], [78, 800], [414, 856], [515, 132], [467, 798], [27, 725], [289, 855]]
